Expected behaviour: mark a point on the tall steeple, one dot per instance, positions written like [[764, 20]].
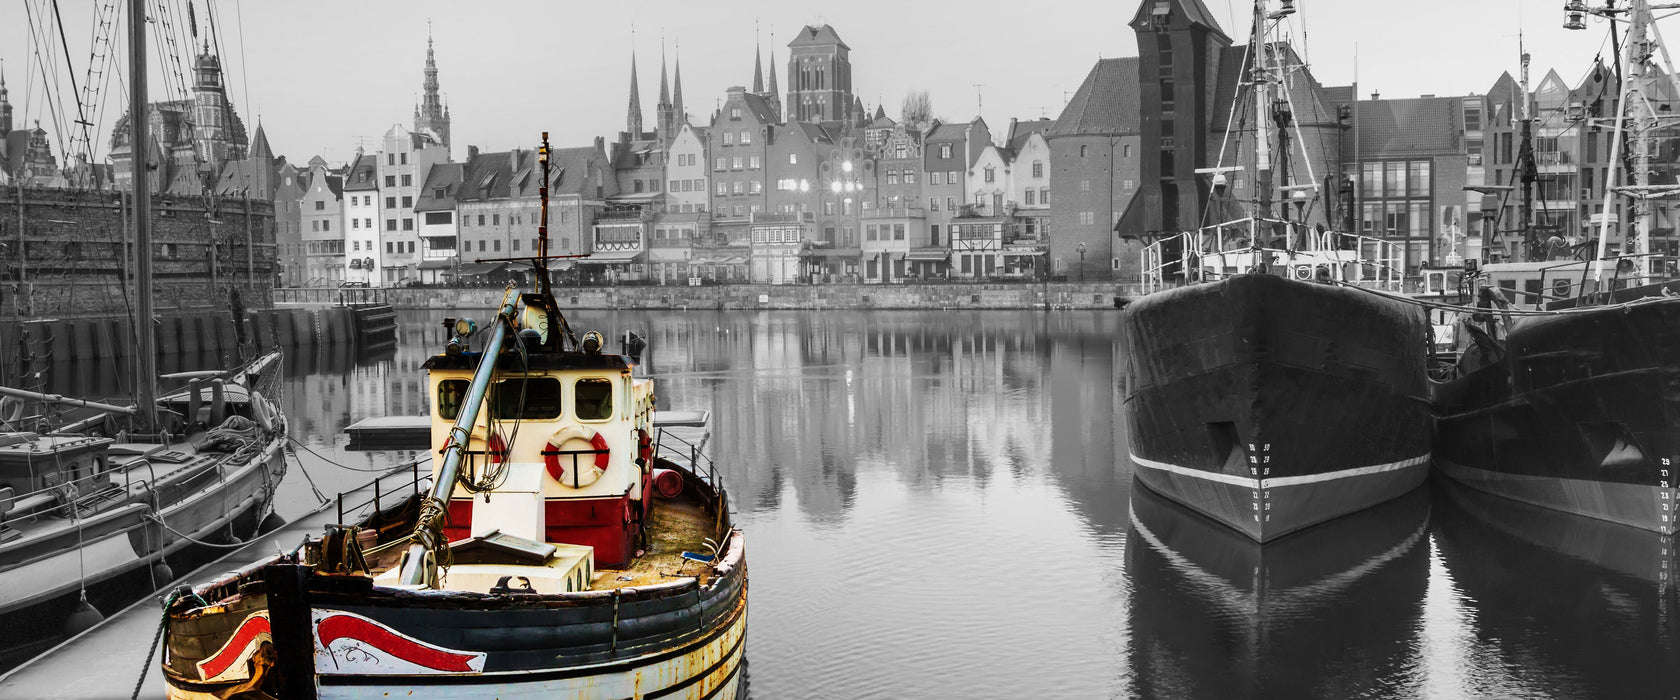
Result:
[[6, 104], [633, 120], [775, 94], [758, 71], [680, 116], [431, 116], [667, 120]]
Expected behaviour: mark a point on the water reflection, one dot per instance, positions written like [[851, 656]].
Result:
[[1564, 606], [1326, 612]]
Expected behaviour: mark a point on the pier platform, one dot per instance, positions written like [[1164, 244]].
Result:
[[104, 662]]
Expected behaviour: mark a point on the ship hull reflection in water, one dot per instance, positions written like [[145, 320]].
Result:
[[1325, 612], [1575, 606]]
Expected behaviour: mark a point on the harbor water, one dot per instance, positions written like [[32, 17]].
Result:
[[940, 505]]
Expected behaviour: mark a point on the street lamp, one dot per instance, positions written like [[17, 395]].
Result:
[[1082, 261]]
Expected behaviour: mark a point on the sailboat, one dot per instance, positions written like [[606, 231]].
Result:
[[561, 550], [1275, 378], [1566, 393], [89, 506]]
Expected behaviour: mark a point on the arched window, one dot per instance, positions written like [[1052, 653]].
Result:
[[1082, 151]]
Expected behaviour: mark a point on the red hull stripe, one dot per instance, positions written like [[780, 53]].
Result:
[[248, 630], [348, 627]]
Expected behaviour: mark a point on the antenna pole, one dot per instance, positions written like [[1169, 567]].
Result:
[[1527, 170], [542, 223], [146, 383]]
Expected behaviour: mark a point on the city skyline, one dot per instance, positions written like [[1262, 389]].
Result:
[[299, 91]]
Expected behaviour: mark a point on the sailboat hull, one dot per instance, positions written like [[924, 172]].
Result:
[[1581, 414], [1271, 405]]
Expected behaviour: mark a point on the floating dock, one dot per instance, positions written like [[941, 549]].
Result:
[[105, 661]]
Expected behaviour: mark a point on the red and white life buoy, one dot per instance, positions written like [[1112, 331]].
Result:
[[561, 466]]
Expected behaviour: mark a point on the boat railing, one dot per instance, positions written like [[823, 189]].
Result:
[[65, 499], [376, 498], [688, 454], [1236, 247]]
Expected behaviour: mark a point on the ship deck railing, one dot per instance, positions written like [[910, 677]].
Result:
[[681, 438], [1181, 258]]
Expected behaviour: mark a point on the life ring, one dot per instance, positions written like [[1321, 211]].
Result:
[[1303, 272], [587, 472]]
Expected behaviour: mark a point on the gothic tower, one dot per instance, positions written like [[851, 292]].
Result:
[[819, 76], [1180, 48], [633, 120], [431, 116], [210, 116], [5, 107]]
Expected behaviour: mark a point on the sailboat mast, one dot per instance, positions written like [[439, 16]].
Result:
[[1527, 171], [1262, 95], [146, 383]]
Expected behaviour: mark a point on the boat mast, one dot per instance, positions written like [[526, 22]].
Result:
[[542, 223], [146, 383], [1262, 95], [1526, 168], [1636, 111]]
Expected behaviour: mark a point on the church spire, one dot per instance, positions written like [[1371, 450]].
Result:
[[775, 94], [676, 93], [633, 121], [430, 115], [664, 92], [758, 70], [6, 104]]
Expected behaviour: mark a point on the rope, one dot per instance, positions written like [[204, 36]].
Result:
[[306, 477], [328, 460], [163, 622], [190, 538]]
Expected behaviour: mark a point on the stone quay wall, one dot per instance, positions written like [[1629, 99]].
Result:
[[1023, 295]]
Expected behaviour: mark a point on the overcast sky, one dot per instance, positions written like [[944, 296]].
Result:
[[325, 76]]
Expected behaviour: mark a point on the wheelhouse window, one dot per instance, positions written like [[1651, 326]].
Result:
[[536, 398], [593, 399], [450, 393]]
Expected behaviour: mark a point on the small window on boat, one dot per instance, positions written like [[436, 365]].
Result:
[[537, 398], [593, 399], [450, 394]]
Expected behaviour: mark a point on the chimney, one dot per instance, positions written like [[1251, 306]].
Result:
[[1376, 96], [600, 143], [472, 153], [513, 160]]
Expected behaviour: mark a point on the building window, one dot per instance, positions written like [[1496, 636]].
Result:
[[388, 246], [933, 204], [728, 138], [390, 181], [909, 177], [1417, 180], [355, 223], [1087, 218], [407, 180], [390, 202], [1126, 151], [390, 159], [746, 137], [898, 232], [408, 224], [315, 226], [638, 185], [496, 246], [675, 187], [892, 177], [1084, 185], [495, 219], [407, 202], [1082, 151], [735, 163], [737, 187], [752, 162], [1038, 168], [950, 203], [515, 245], [869, 233], [481, 246], [723, 188], [722, 163], [1029, 198], [734, 112], [793, 159], [390, 224], [326, 225], [944, 150], [991, 174], [933, 178], [757, 186]]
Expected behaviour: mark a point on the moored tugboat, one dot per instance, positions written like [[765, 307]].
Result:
[[1275, 378], [557, 554]]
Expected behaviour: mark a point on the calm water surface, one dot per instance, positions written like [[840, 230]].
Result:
[[939, 505]]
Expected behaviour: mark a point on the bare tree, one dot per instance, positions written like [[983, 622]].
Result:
[[917, 110]]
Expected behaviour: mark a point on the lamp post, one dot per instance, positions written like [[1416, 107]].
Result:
[[1082, 261], [845, 173]]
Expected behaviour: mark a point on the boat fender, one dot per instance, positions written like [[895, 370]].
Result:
[[668, 483], [11, 409], [262, 411], [561, 467], [1321, 274]]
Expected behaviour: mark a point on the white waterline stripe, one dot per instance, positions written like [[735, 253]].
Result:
[[1252, 482]]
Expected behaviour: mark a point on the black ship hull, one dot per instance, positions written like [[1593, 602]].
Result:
[[1580, 414], [1271, 405]]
